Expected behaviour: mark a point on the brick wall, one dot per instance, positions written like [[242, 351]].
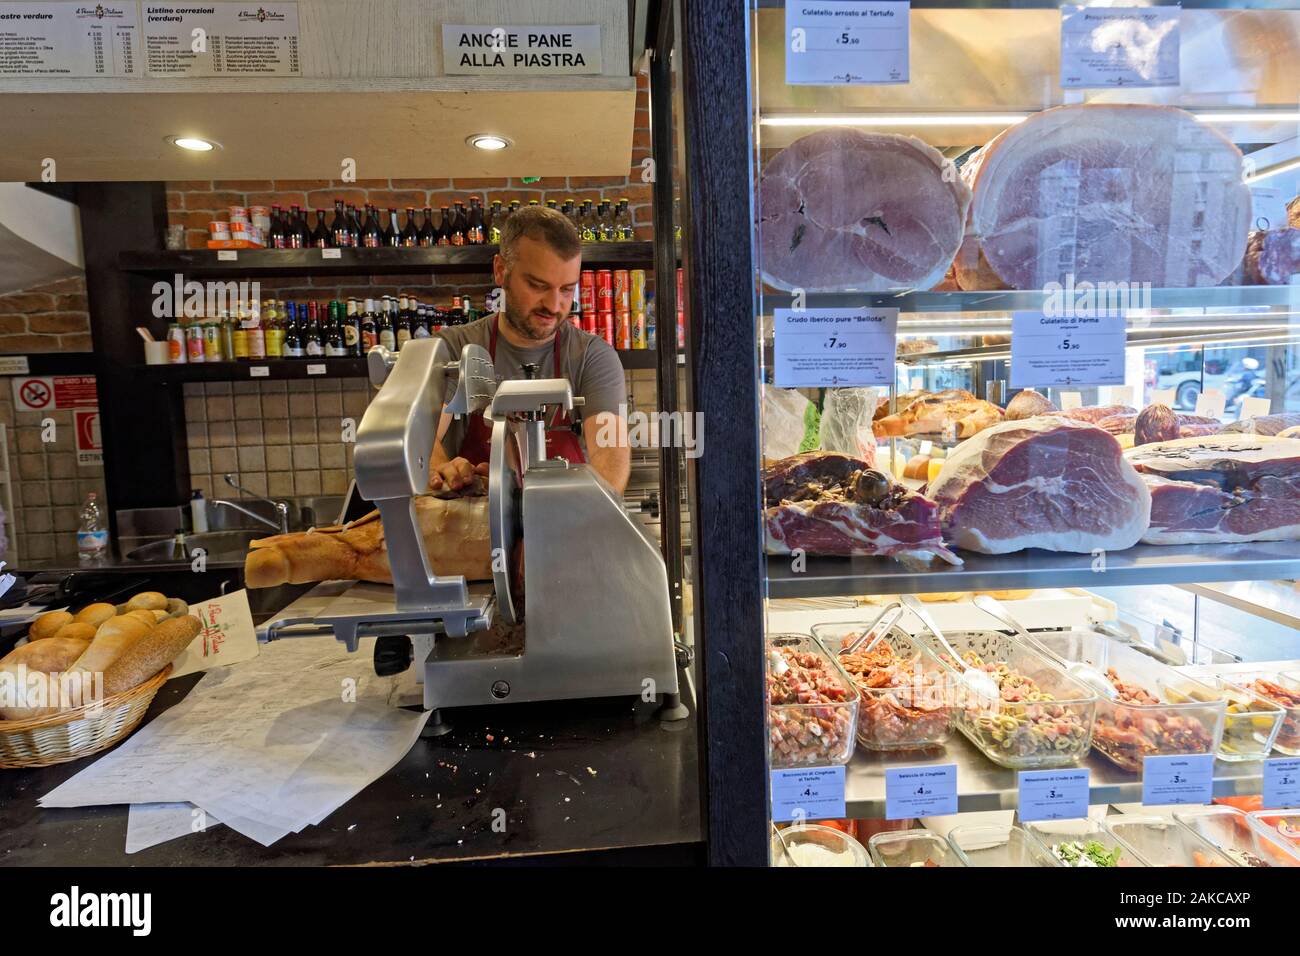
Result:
[[46, 318]]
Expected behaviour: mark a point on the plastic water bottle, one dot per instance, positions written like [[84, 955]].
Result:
[[92, 536]]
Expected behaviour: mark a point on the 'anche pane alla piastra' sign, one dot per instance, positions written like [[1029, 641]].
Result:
[[517, 51]]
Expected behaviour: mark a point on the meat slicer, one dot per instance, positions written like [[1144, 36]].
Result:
[[594, 615]]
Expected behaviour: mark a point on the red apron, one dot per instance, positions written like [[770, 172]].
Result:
[[561, 442]]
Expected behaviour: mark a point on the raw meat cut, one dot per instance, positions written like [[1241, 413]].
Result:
[[933, 415], [1027, 403], [1045, 482], [831, 504], [846, 210], [1272, 257], [1092, 414], [1189, 426], [1109, 193], [1264, 424], [1221, 489]]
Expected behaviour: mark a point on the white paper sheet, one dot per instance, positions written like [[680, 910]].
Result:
[[227, 636], [148, 824]]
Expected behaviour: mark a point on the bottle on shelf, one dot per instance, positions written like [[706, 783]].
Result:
[[354, 227], [570, 211], [273, 317], [392, 235], [459, 226], [352, 330], [474, 234], [275, 237], [589, 224], [313, 342], [624, 231], [498, 220], [334, 331], [255, 334], [426, 235], [369, 327], [293, 344], [339, 226], [385, 326], [421, 329], [604, 223], [293, 239], [410, 235], [320, 236], [444, 227], [371, 236], [92, 535]]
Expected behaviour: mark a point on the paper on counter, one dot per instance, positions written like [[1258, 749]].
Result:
[[148, 824], [227, 636]]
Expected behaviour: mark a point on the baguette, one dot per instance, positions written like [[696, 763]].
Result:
[[106, 648], [455, 533], [150, 654], [50, 655]]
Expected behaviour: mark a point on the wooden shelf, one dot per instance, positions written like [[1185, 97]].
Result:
[[252, 263]]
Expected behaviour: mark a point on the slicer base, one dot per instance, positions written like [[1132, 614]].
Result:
[[436, 726]]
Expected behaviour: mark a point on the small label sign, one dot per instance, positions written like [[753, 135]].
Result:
[[1268, 207], [1062, 350], [1119, 47], [521, 51], [331, 253], [849, 42], [813, 793], [1210, 403], [227, 255], [1253, 407], [315, 369], [1281, 783], [831, 348], [920, 791], [1178, 779], [1053, 794], [259, 371]]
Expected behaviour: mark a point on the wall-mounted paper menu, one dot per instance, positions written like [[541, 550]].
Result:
[[221, 39], [69, 39]]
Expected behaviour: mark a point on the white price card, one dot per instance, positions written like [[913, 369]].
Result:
[[830, 348], [1071, 400], [1057, 350], [1177, 779], [920, 791], [1268, 207], [1108, 47], [259, 371], [838, 42], [1164, 396], [1120, 395], [315, 369], [809, 793], [1281, 783], [1253, 407], [1209, 404], [331, 253], [227, 255], [1053, 794]]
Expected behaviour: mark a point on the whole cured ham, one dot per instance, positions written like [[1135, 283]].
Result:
[[1092, 414], [1027, 403], [1108, 193], [1272, 257], [1045, 482], [831, 504], [934, 415], [1160, 423], [1264, 424], [847, 210], [1221, 489]]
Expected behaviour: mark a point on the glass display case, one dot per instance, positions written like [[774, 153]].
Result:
[[1024, 329]]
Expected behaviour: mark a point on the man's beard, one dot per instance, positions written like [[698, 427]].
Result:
[[527, 325]]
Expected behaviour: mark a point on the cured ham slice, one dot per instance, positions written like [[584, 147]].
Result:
[[847, 210], [831, 504], [1221, 489], [1044, 482], [1109, 193], [934, 415]]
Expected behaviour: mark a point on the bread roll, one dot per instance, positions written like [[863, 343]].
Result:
[[147, 656], [145, 617], [48, 624], [95, 614], [148, 601], [104, 649], [50, 655], [160, 616], [123, 624], [77, 630]]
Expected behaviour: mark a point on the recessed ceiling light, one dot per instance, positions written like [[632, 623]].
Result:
[[193, 143], [488, 142]]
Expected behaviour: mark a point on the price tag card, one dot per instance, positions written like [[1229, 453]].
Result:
[[227, 255], [855, 42], [259, 371], [1071, 400], [1054, 351], [812, 793], [1268, 207], [1178, 779], [1282, 783], [830, 348], [920, 791], [315, 369], [1251, 407], [1210, 403], [1103, 48], [331, 253], [927, 446], [1121, 395], [1053, 794], [1164, 396]]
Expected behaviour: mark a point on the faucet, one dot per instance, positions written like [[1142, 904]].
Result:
[[281, 509]]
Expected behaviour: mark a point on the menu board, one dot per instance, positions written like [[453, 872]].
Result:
[[220, 39], [69, 39]]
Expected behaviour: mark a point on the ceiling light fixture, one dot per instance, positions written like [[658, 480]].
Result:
[[488, 142], [193, 143]]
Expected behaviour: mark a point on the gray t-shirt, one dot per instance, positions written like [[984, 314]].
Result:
[[587, 361]]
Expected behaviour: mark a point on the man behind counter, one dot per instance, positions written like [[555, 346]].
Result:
[[538, 266]]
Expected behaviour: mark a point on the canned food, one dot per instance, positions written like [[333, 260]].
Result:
[[219, 230], [639, 340], [637, 297], [212, 345], [604, 291], [588, 292], [605, 326], [176, 350], [238, 214], [194, 342], [261, 217], [622, 330], [239, 341], [240, 230], [589, 322], [622, 290]]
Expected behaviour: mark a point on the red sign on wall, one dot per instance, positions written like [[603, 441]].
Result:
[[90, 447]]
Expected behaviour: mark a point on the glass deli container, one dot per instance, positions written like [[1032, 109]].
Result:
[[816, 846], [1251, 721], [812, 704], [1282, 689], [1044, 717], [1161, 711], [1281, 826], [904, 690], [1156, 841], [1229, 829], [918, 848], [998, 845], [1081, 843]]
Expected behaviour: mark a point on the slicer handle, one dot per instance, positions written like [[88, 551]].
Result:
[[399, 428]]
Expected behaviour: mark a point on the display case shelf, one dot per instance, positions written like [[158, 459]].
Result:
[[1143, 564], [983, 785]]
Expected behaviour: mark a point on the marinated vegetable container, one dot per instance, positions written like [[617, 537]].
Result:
[[1044, 718], [1229, 829], [1081, 843], [1156, 841], [815, 846], [1280, 826], [812, 704], [1251, 721], [904, 690], [919, 848], [1161, 712], [998, 845], [1282, 689]]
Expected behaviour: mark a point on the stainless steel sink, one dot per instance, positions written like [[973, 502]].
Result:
[[218, 545]]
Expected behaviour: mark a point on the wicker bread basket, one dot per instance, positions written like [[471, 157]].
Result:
[[58, 738]]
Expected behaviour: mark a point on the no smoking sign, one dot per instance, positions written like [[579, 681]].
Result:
[[33, 394]]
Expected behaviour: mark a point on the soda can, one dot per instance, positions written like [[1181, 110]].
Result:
[[238, 214], [623, 330], [637, 297], [212, 350], [605, 326], [604, 291], [587, 295], [622, 291], [176, 349], [589, 322], [194, 342], [639, 340]]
